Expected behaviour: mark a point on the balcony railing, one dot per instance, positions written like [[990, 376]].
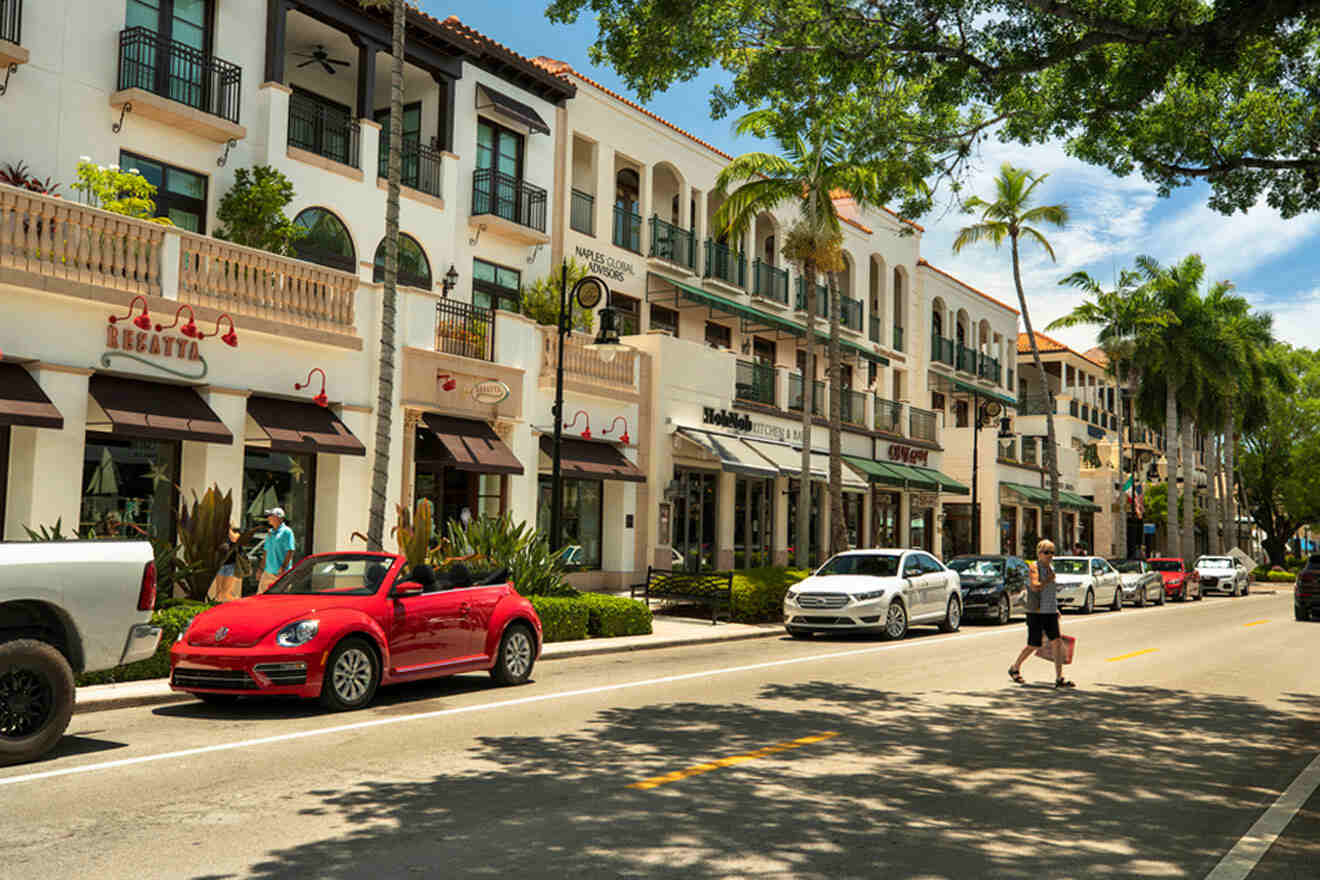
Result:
[[755, 382], [11, 21], [465, 330], [627, 229], [725, 264], [1008, 448], [822, 298], [874, 335], [585, 364], [673, 243], [172, 70], [966, 359], [850, 313], [324, 129], [509, 197], [769, 282], [941, 349], [888, 416], [852, 407], [921, 424], [989, 368], [1033, 405], [582, 213], [1029, 451], [898, 339], [795, 395], [421, 166]]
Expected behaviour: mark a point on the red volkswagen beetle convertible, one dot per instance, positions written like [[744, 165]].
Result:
[[341, 624]]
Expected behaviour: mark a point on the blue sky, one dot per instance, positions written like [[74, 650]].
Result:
[[1274, 262]]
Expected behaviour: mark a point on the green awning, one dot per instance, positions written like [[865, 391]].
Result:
[[848, 345], [947, 483], [1034, 494], [969, 388], [907, 476], [1041, 496], [1072, 499]]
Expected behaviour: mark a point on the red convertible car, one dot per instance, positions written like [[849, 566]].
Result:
[[338, 625]]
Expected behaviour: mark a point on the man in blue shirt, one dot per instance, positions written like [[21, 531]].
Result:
[[279, 549]]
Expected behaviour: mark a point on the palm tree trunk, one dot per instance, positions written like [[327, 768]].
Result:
[[1172, 537], [808, 394], [1120, 539], [1051, 456], [838, 525], [1230, 493], [1212, 515], [1188, 549], [380, 469]]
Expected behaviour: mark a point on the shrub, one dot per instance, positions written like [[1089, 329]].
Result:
[[540, 299], [758, 593], [252, 211], [119, 192], [562, 619], [609, 616], [523, 550], [172, 619]]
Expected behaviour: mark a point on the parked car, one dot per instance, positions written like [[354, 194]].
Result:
[[338, 625], [1223, 573], [1082, 582], [883, 591], [1180, 582], [992, 587], [1141, 583], [66, 607], [1306, 589]]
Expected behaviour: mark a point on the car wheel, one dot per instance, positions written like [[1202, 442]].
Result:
[[352, 674], [1301, 613], [796, 633], [1088, 604], [1159, 600], [1005, 611], [1200, 594], [36, 699], [1182, 594], [1141, 596], [896, 621], [218, 699], [952, 616], [1118, 600], [513, 664]]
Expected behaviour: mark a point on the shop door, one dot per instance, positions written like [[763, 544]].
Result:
[[884, 520], [278, 479], [753, 522], [695, 519]]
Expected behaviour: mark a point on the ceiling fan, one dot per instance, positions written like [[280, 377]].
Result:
[[323, 57]]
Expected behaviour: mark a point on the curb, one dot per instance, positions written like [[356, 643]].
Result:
[[166, 696]]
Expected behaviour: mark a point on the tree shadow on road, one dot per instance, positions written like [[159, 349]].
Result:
[[1115, 781]]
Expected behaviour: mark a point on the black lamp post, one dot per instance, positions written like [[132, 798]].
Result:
[[587, 293], [981, 411]]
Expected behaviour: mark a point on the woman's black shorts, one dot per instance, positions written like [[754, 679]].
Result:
[[1041, 624]]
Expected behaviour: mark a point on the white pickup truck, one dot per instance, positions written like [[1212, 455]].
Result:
[[66, 607]]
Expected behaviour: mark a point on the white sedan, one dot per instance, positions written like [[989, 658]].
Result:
[[1083, 582], [875, 590], [1223, 573]]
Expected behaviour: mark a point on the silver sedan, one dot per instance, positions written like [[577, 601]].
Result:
[[1142, 585]]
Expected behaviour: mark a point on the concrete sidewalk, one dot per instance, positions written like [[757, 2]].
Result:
[[667, 632]]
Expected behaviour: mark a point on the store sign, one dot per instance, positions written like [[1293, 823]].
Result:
[[490, 392], [129, 342], [908, 454], [734, 421], [606, 266]]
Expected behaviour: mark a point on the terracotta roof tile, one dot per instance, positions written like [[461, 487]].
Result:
[[924, 262], [454, 26], [837, 194], [1097, 355], [1045, 345]]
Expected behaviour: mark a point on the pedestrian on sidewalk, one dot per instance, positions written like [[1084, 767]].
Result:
[[279, 545], [227, 586], [1042, 616]]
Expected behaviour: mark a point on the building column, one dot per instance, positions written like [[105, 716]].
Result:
[[725, 489], [206, 464], [342, 482], [701, 231], [780, 537], [904, 519], [646, 204], [864, 527], [408, 463], [605, 187], [685, 205]]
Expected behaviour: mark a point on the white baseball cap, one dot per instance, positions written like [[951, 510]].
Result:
[[276, 511]]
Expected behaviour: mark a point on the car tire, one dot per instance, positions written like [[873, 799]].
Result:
[[516, 657], [352, 674], [1004, 613], [1088, 604], [218, 700], [1301, 613], [1117, 604], [1246, 588], [1182, 594], [1160, 599], [896, 622], [952, 616], [796, 633], [1141, 596], [37, 682]]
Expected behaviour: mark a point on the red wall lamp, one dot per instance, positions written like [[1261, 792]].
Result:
[[190, 329], [320, 399], [449, 384], [231, 338], [586, 435], [142, 321], [623, 439]]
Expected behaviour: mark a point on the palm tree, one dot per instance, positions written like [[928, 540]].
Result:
[[1008, 217], [380, 468], [813, 165], [1125, 316]]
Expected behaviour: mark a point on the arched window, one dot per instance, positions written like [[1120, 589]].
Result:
[[414, 268], [326, 240]]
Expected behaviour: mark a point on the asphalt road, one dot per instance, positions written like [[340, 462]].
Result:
[[768, 758]]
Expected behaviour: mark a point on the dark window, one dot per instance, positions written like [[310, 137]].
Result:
[[583, 513], [180, 194], [412, 139], [664, 319], [184, 21], [326, 240], [129, 487], [630, 313], [627, 187], [960, 413], [872, 373], [324, 127], [499, 149], [718, 336], [770, 250], [414, 268], [495, 287], [187, 22], [279, 479], [937, 401], [763, 350]]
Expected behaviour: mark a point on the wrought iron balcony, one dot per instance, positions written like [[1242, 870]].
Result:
[[795, 395], [673, 243], [465, 330], [11, 21], [755, 382], [582, 213], [421, 169], [822, 298], [989, 368], [627, 229], [170, 69], [725, 264], [508, 197], [888, 416], [966, 359], [941, 349], [769, 282], [324, 129], [852, 407], [850, 313], [921, 424]]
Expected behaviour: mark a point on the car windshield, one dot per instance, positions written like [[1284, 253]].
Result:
[[1072, 566], [347, 574], [861, 565], [1214, 562], [1126, 566], [978, 567], [1165, 565]]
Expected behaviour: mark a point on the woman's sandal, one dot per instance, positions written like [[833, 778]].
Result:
[[1016, 675], [1064, 683]]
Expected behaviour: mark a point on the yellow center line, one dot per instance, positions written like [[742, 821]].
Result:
[[655, 781], [1133, 654], [1255, 623]]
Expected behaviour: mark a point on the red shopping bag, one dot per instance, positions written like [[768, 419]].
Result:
[[1069, 644]]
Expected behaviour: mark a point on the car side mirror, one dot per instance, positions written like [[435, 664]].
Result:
[[406, 589]]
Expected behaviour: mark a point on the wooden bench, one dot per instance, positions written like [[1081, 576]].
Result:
[[705, 588]]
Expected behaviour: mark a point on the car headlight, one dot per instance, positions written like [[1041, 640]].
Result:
[[791, 594], [296, 634], [867, 597]]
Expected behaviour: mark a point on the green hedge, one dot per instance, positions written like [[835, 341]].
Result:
[[562, 619], [1274, 576], [758, 593], [609, 616], [172, 620]]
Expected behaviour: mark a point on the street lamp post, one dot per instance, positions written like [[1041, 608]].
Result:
[[990, 409]]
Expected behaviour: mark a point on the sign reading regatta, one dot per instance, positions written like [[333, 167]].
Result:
[[146, 342], [908, 454], [605, 265], [724, 418]]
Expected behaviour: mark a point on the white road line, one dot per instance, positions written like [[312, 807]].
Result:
[[1243, 857], [522, 701]]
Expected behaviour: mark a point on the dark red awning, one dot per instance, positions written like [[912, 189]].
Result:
[[589, 460], [22, 402], [297, 426], [465, 445], [157, 411]]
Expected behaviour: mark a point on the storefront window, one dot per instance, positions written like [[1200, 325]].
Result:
[[129, 487], [919, 529], [1030, 531], [884, 520], [629, 313], [581, 518], [852, 515], [452, 491], [813, 528], [695, 518], [1069, 533], [664, 319], [753, 522], [1008, 530], [1086, 531], [280, 479], [957, 537]]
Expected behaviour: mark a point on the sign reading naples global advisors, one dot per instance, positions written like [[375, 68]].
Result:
[[605, 265]]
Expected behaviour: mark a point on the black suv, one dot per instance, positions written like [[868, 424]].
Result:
[[992, 586], [1306, 590]]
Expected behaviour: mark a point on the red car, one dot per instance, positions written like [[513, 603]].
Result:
[[341, 624], [1180, 581]]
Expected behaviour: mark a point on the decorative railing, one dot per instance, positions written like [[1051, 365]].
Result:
[[941, 349], [898, 339], [581, 362], [582, 212], [754, 382], [850, 313], [921, 424], [1029, 447], [673, 243], [421, 166], [852, 407], [324, 129], [874, 335], [465, 330], [725, 264], [627, 229], [769, 282], [173, 70], [989, 368], [888, 416], [795, 395], [966, 359], [11, 21], [822, 298], [509, 197]]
